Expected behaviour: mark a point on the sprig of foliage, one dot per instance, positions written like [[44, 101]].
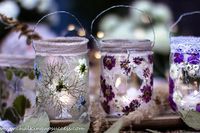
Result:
[[20, 27]]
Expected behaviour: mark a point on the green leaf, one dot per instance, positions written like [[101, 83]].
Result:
[[9, 74], [20, 104], [12, 115], [191, 118], [75, 128], [38, 123], [116, 127], [31, 75]]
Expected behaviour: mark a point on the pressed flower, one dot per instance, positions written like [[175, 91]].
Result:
[[194, 58], [151, 80], [82, 67], [172, 103], [80, 102], [138, 60], [150, 58], [198, 107], [105, 106], [146, 72], [107, 90], [132, 107], [16, 84], [37, 72], [178, 57], [177, 96], [60, 86], [147, 93], [171, 86], [109, 62], [174, 71], [125, 66]]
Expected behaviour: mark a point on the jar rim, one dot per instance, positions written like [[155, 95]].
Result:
[[126, 44], [185, 44], [61, 45], [18, 61]]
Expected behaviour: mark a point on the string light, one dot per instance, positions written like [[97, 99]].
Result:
[[81, 32], [100, 34], [97, 55], [71, 27]]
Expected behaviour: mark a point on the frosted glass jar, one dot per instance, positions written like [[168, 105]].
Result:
[[61, 68], [126, 75], [17, 94], [184, 77]]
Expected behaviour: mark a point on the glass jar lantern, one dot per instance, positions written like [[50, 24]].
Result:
[[17, 94], [126, 75], [184, 77], [61, 68]]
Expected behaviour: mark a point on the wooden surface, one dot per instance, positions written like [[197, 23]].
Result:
[[157, 123]]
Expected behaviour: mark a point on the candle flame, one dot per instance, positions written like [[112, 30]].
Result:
[[118, 82]]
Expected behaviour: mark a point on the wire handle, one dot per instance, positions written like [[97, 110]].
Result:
[[56, 12], [180, 18], [120, 6]]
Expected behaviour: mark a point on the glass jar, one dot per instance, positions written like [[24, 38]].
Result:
[[126, 75], [17, 94], [184, 77], [61, 68]]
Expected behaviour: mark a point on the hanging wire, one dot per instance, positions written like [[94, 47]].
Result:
[[119, 6], [53, 13]]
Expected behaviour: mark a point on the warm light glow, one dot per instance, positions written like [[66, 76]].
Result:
[[97, 55], [196, 92], [118, 82], [100, 34], [81, 32], [66, 99], [71, 27], [139, 33]]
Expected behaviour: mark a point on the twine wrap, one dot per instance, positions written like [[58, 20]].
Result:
[[62, 45], [16, 61], [124, 45]]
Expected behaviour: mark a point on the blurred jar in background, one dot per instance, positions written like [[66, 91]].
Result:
[[17, 94]]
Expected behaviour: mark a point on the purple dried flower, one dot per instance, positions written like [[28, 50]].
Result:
[[151, 80], [172, 103], [109, 62], [105, 106], [194, 58], [147, 93], [125, 66], [132, 107], [198, 107], [146, 72], [150, 58], [107, 90], [171, 86], [138, 60], [178, 57]]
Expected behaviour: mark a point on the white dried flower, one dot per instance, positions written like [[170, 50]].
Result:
[[177, 97], [174, 71], [82, 68]]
